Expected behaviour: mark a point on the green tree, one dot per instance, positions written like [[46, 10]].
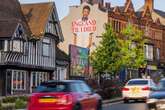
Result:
[[106, 57], [132, 47], [115, 52]]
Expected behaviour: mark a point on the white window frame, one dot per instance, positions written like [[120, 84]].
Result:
[[39, 77], [158, 53], [149, 52], [16, 85], [6, 45], [61, 73], [46, 41]]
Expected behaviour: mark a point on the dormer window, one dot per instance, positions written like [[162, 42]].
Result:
[[19, 33], [16, 44]]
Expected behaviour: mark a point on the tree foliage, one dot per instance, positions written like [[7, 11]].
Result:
[[132, 47], [115, 52], [106, 57]]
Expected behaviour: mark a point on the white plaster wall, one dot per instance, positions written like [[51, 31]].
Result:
[[74, 14]]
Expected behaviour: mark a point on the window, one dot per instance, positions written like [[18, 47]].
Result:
[[161, 85], [61, 73], [53, 87], [26, 48], [16, 45], [75, 87], [138, 82], [85, 88], [18, 80], [38, 77], [158, 53], [19, 32], [46, 47], [116, 25], [149, 52], [1, 44], [6, 46], [80, 87]]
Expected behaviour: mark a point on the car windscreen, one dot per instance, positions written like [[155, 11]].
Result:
[[52, 87], [161, 85], [138, 82]]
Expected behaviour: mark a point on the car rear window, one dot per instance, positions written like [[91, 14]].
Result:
[[138, 82], [52, 87]]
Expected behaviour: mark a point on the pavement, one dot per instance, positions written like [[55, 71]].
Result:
[[122, 106]]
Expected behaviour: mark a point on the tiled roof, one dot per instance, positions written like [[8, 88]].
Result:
[[159, 12], [121, 8], [37, 16], [61, 55], [139, 14], [7, 28], [156, 12], [10, 15]]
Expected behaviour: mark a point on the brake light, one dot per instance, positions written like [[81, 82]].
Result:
[[125, 89], [146, 89], [65, 99]]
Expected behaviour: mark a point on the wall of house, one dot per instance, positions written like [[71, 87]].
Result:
[[152, 33], [75, 13], [33, 54]]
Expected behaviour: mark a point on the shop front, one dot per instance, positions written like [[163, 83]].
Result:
[[21, 81]]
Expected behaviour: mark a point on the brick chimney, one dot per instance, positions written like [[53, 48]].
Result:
[[82, 1], [108, 5], [90, 1], [150, 4]]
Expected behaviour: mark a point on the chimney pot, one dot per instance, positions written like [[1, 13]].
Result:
[[150, 4]]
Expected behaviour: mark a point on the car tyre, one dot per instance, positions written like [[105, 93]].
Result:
[[99, 105], [126, 101], [77, 107], [152, 107]]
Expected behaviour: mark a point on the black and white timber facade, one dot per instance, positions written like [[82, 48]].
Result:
[[28, 41]]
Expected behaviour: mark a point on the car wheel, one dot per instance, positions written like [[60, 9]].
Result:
[[99, 105], [77, 107], [126, 101], [152, 107]]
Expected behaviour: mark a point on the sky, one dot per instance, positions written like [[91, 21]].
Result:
[[63, 5]]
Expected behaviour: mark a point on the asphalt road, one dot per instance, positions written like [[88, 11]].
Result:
[[122, 106]]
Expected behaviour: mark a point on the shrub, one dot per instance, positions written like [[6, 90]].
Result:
[[7, 108], [20, 104], [1, 105], [108, 88], [9, 100], [24, 98]]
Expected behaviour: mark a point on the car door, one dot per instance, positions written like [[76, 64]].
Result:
[[91, 101], [153, 86], [81, 96]]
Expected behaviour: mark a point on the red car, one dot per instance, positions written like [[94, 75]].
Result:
[[64, 95]]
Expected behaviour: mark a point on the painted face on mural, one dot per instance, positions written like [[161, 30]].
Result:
[[85, 12]]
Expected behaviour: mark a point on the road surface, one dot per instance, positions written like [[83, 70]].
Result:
[[122, 106]]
